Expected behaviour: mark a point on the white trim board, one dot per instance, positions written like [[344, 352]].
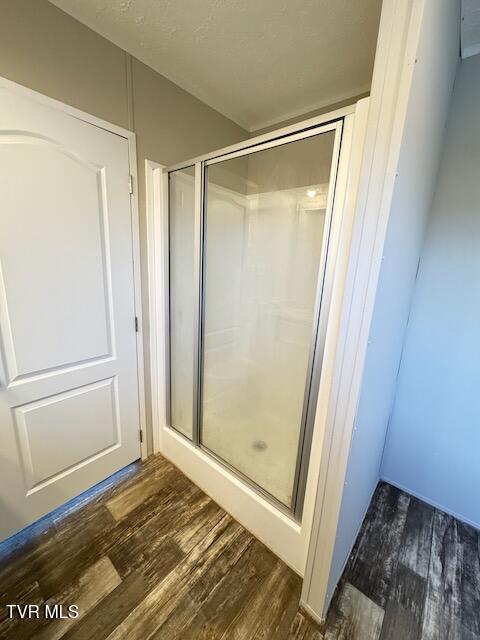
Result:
[[131, 139], [372, 211], [154, 187], [132, 151]]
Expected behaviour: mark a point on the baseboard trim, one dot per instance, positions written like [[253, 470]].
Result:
[[432, 503], [329, 596], [310, 613]]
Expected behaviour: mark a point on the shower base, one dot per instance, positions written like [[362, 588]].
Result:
[[261, 447]]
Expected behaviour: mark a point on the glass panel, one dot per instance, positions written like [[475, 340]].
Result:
[[181, 187], [264, 227]]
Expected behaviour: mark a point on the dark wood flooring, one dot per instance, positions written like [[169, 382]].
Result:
[[414, 574], [147, 555]]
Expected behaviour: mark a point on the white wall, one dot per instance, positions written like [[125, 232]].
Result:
[[432, 81], [433, 444]]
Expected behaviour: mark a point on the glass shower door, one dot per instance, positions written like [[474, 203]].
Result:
[[265, 232], [181, 225]]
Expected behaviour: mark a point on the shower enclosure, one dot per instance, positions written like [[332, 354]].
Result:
[[249, 288]]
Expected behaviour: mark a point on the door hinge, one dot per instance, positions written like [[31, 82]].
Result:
[[136, 324], [141, 435], [130, 184]]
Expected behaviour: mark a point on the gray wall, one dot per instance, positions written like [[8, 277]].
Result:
[[311, 114], [43, 48], [433, 444], [427, 112]]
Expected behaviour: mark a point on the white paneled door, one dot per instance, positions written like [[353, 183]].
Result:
[[69, 404]]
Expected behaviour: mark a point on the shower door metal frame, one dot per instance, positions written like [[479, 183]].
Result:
[[199, 260], [321, 307]]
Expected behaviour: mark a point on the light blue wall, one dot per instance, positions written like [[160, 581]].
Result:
[[433, 443], [427, 113]]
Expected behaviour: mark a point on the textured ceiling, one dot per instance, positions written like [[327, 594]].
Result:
[[255, 61]]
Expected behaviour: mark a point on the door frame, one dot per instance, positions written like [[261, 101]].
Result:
[[130, 136], [156, 229]]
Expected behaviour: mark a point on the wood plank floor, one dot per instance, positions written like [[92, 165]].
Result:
[[146, 554], [414, 574]]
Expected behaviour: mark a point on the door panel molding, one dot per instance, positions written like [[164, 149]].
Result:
[[16, 307], [26, 430]]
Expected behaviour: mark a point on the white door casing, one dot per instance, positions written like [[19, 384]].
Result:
[[69, 397]]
